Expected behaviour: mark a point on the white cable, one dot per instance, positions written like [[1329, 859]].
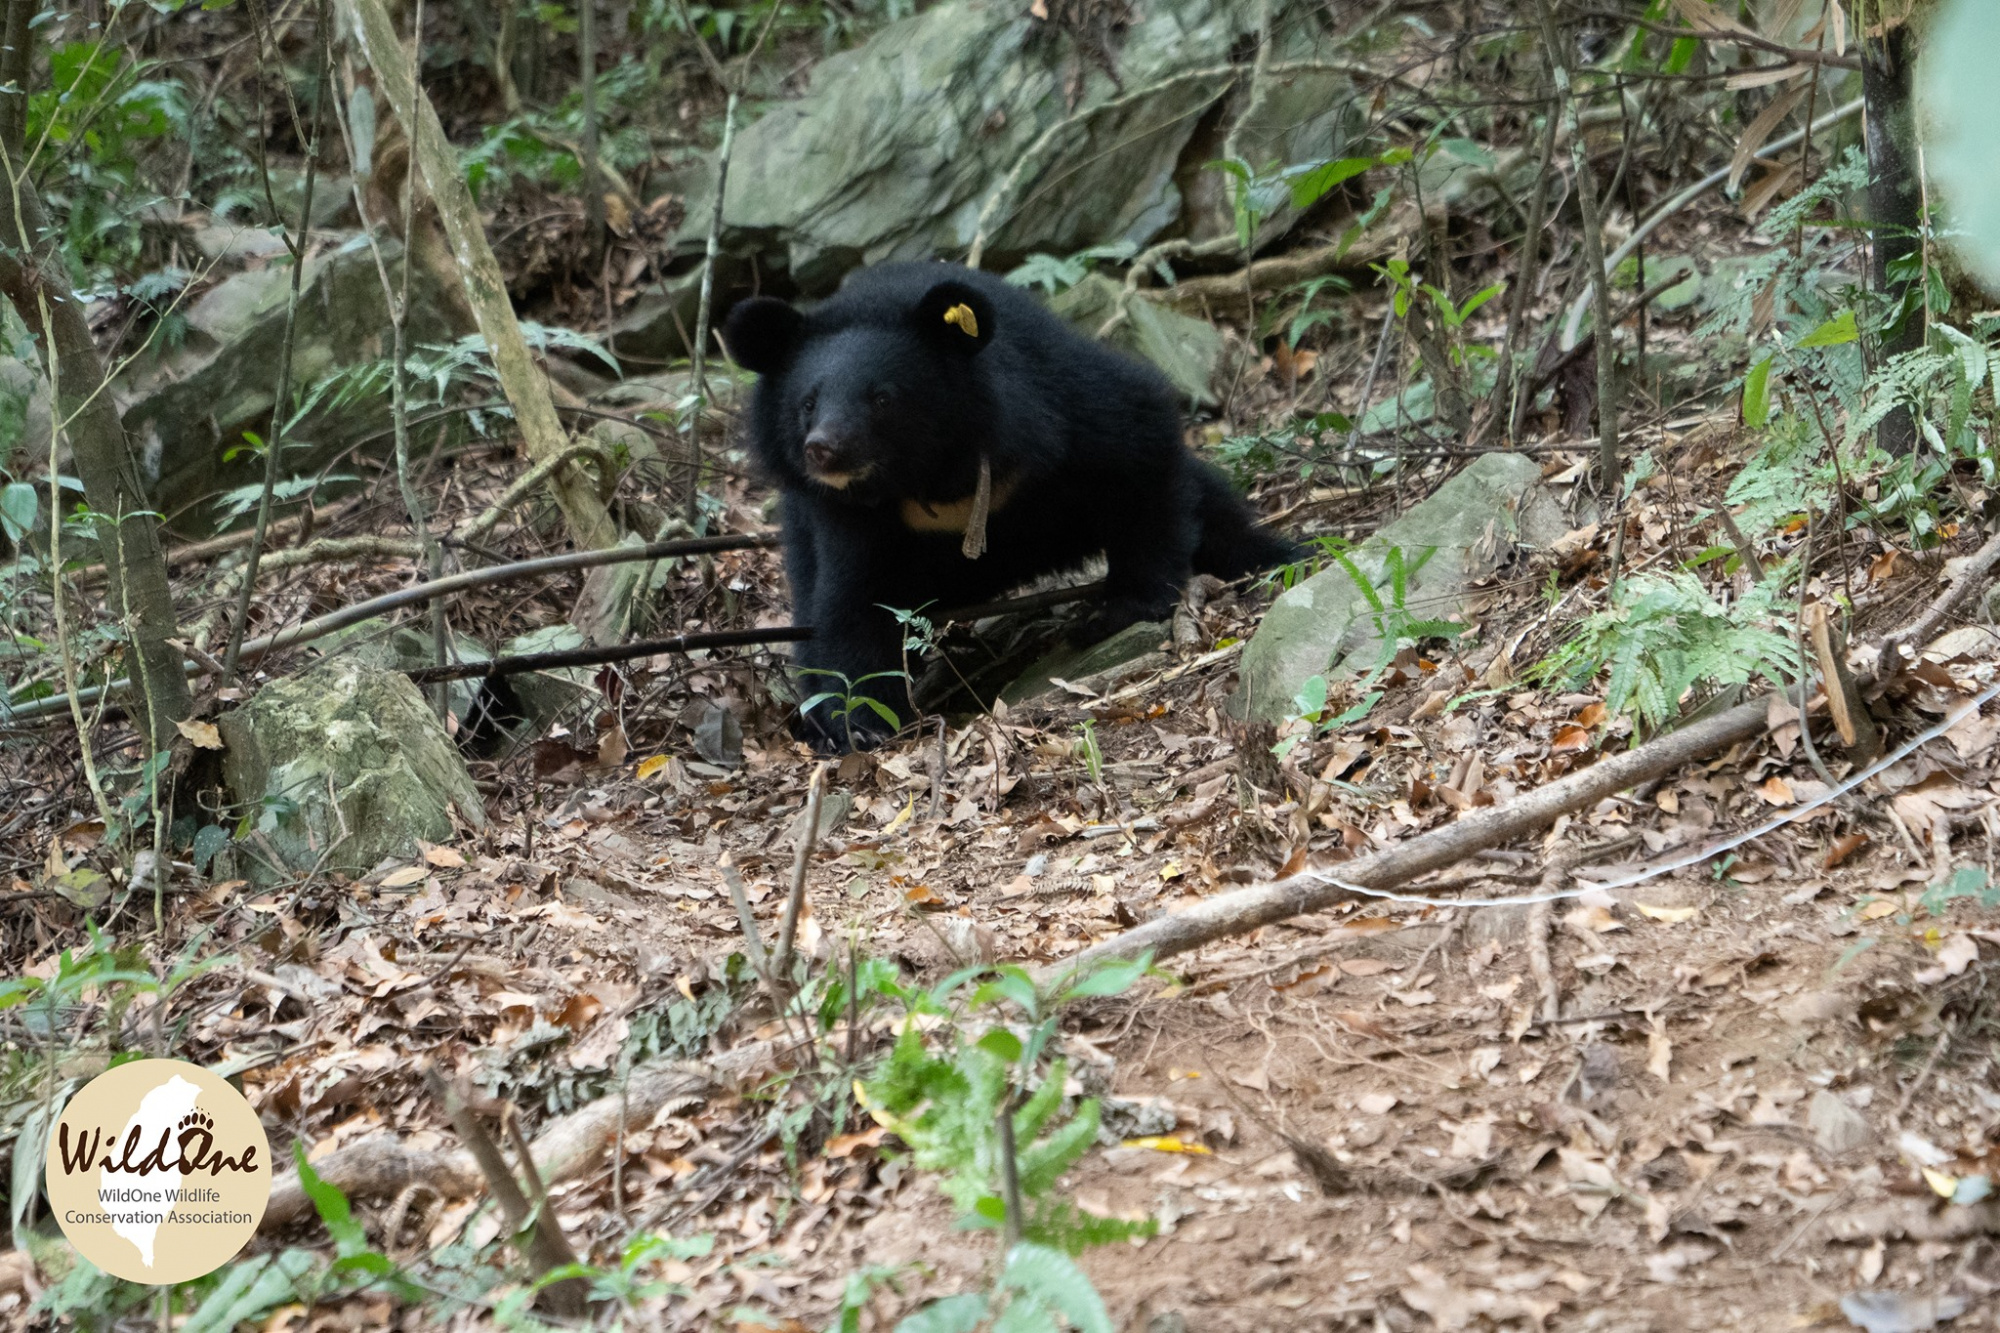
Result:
[[1797, 812]]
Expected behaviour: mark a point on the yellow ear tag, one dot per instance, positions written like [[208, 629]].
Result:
[[961, 315]]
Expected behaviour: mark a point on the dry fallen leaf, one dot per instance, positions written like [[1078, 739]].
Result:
[[1959, 952], [1472, 1140], [1672, 916], [1593, 917], [202, 734], [1844, 846], [1570, 740], [1453, 1307], [1776, 791], [1167, 1143]]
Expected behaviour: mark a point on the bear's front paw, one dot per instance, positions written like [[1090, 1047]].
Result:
[[1116, 614]]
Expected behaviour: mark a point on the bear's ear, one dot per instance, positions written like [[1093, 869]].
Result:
[[762, 333], [955, 315]]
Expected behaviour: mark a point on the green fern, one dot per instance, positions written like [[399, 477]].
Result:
[[1790, 466], [1663, 636]]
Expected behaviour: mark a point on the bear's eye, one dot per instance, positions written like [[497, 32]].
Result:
[[811, 402], [880, 397]]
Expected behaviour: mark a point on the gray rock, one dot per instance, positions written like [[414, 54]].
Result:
[[187, 406], [896, 149], [1837, 1127], [1326, 624], [1900, 1311], [655, 331], [1131, 648], [718, 737], [1187, 351], [362, 763], [404, 648], [549, 697], [834, 808]]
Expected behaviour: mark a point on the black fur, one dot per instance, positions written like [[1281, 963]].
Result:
[[894, 388]]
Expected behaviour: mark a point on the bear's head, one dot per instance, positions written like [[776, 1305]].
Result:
[[872, 402]]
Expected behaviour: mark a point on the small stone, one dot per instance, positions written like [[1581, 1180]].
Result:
[[1836, 1126]]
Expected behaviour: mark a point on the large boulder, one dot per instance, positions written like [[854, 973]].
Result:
[[190, 403], [350, 766], [900, 144], [1328, 624]]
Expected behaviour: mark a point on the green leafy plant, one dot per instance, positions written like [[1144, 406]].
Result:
[[1389, 617], [848, 700], [988, 1114], [1053, 274], [1088, 749], [1664, 635], [1968, 882], [93, 123], [1451, 316], [1253, 196], [1301, 442], [1305, 316]]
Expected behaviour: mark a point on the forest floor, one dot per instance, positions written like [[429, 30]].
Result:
[[1355, 1118]]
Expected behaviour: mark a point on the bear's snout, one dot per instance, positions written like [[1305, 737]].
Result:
[[831, 458]]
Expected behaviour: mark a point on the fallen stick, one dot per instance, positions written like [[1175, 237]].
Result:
[[380, 1166], [1191, 296], [558, 658], [545, 1247], [416, 595], [1309, 891], [795, 901], [1920, 631]]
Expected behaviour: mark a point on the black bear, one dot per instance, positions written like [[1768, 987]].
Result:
[[925, 406]]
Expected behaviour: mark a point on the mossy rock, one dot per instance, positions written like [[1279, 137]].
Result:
[[350, 767]]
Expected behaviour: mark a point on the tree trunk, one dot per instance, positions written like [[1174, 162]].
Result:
[[1894, 201], [35, 279], [524, 383]]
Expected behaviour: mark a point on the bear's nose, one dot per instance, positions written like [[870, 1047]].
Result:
[[820, 453]]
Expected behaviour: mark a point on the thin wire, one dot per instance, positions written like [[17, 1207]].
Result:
[[1797, 812]]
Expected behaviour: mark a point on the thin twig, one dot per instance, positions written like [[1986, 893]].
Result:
[[702, 310], [547, 1248], [280, 402], [1507, 393], [699, 351], [1608, 461], [1924, 1075], [753, 939], [795, 902], [1978, 567], [327, 624], [1573, 320]]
